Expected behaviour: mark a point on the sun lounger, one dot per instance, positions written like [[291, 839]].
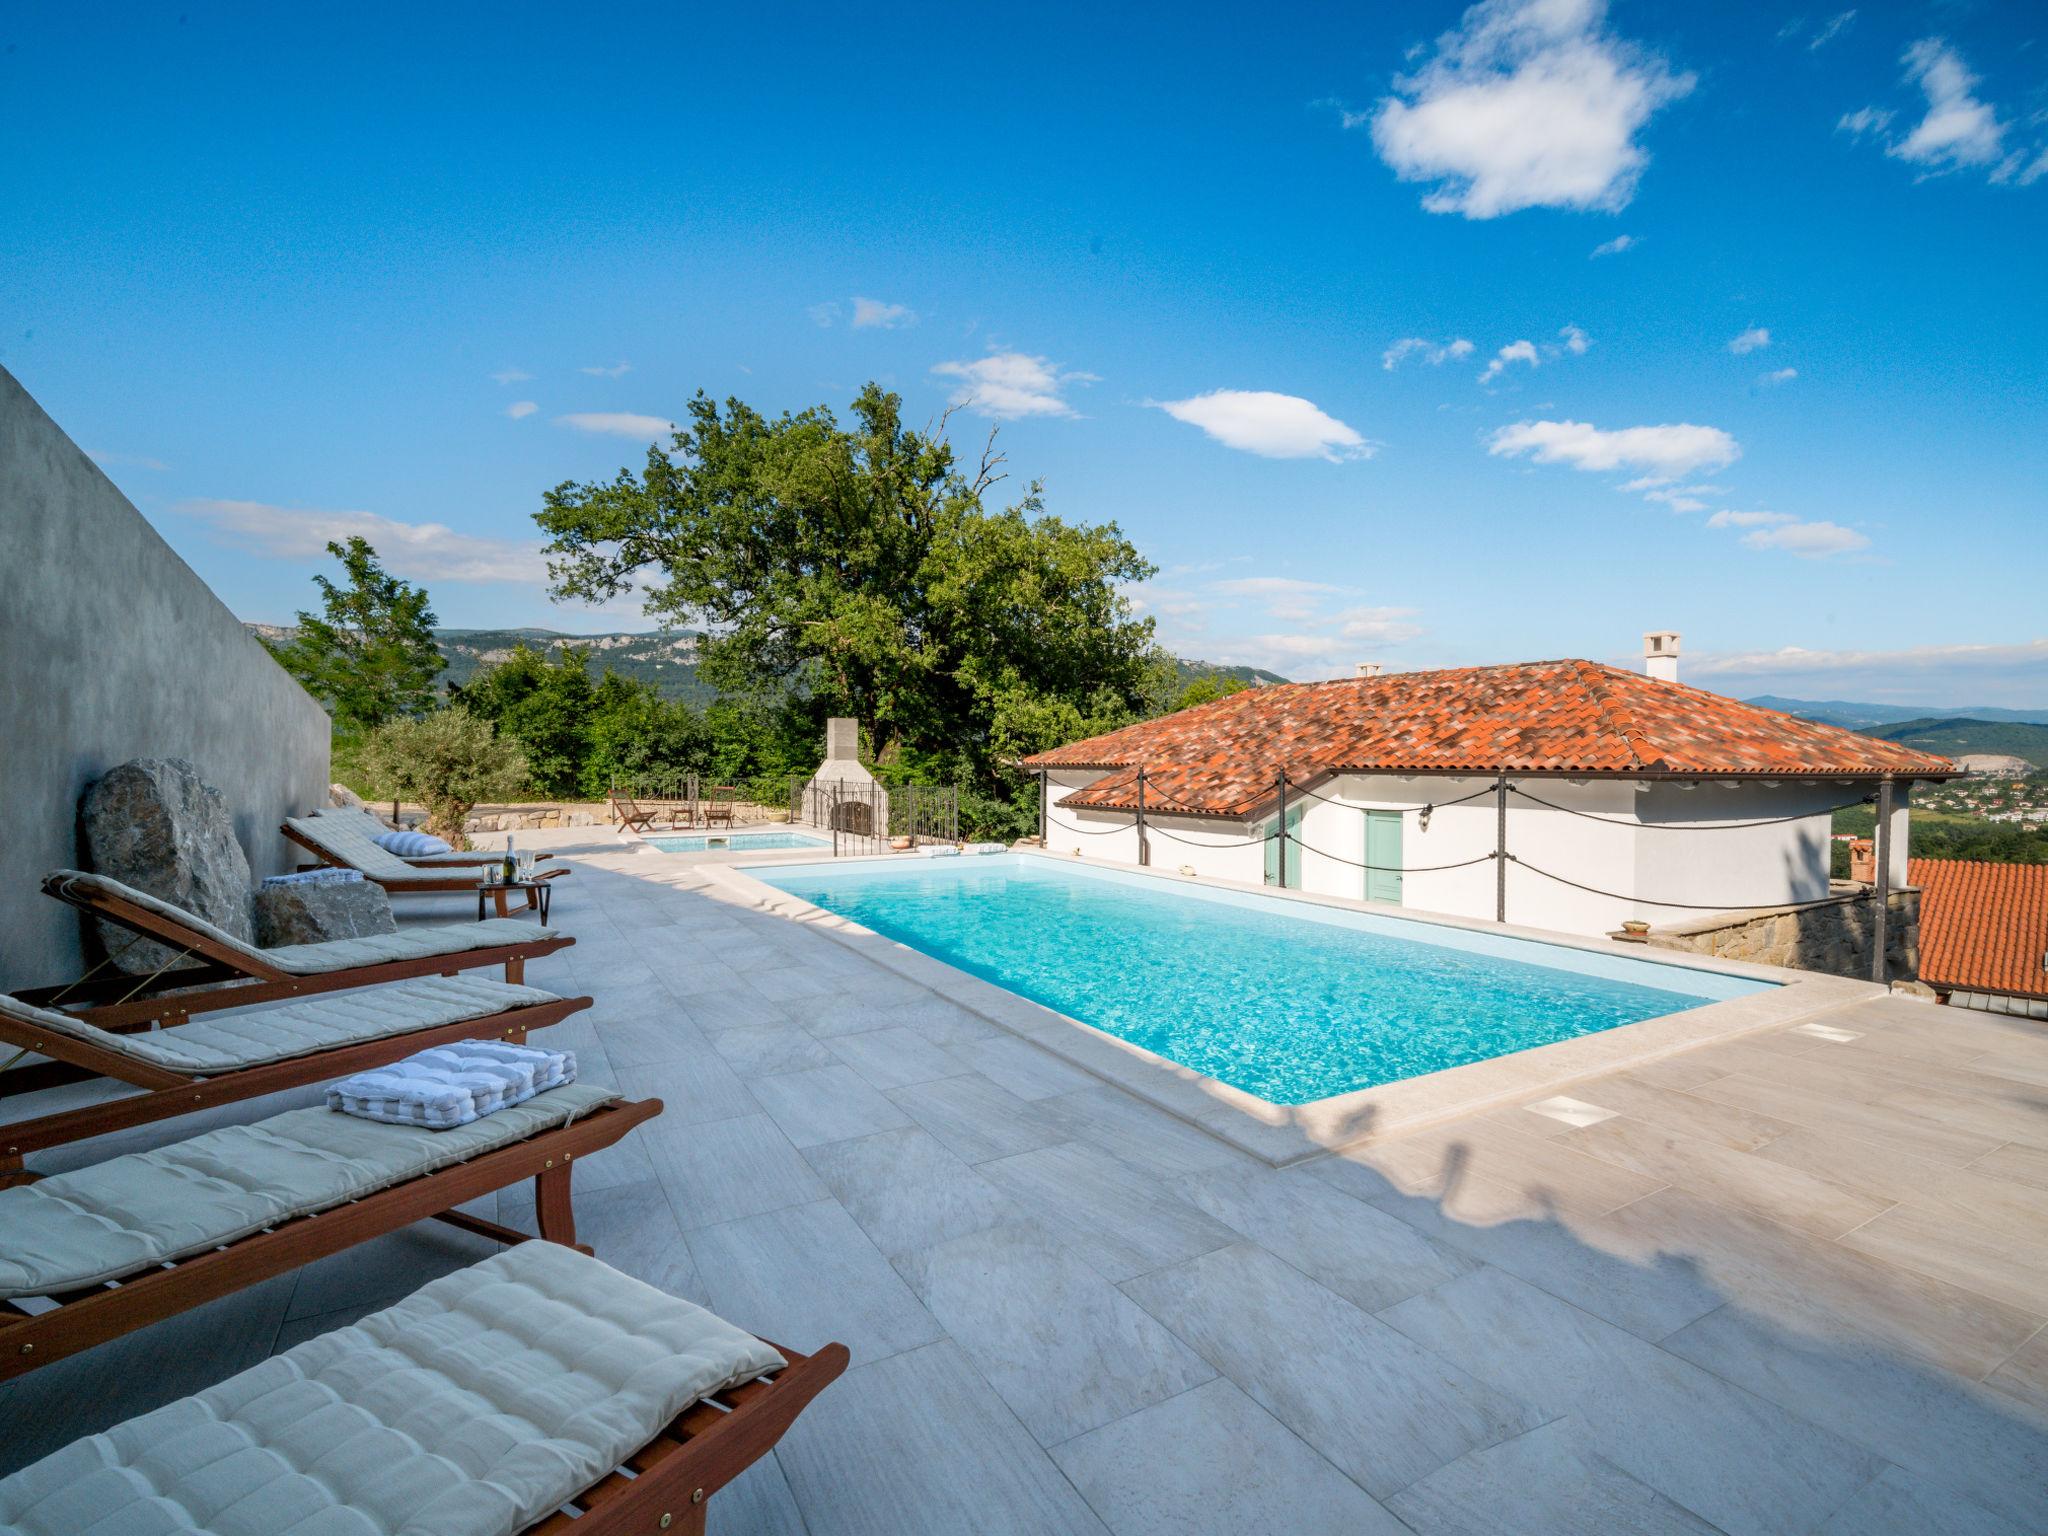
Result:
[[344, 843], [230, 973], [374, 825], [538, 1391], [143, 1236], [242, 1055]]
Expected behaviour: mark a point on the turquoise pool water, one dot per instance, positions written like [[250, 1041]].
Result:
[[1288, 1001], [737, 842]]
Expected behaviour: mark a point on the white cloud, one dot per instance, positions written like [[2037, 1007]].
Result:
[[1751, 340], [618, 424], [1778, 376], [1830, 30], [1679, 498], [1959, 131], [1575, 340], [1513, 352], [1378, 626], [511, 376], [416, 551], [874, 314], [1011, 385], [1864, 120], [1430, 352], [1796, 536], [1615, 246], [519, 410], [125, 460], [1284, 597], [1664, 452], [1810, 541], [1528, 104], [2028, 659], [1274, 426], [617, 370], [823, 314]]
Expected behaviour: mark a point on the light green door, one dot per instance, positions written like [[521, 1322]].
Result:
[[1383, 854], [1293, 850]]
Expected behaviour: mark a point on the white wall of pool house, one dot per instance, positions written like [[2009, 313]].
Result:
[[1661, 841]]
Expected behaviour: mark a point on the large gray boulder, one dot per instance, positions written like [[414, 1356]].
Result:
[[155, 825], [312, 912]]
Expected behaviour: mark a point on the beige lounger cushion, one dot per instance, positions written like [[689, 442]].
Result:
[[373, 824], [348, 839], [473, 1408], [415, 943], [133, 1211], [230, 1042]]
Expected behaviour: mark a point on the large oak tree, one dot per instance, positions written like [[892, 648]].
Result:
[[862, 567]]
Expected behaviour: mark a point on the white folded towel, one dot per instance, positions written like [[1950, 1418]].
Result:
[[451, 1085], [315, 877]]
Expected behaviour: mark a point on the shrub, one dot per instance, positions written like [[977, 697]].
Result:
[[449, 761]]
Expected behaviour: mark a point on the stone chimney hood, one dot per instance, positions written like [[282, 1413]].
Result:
[[1660, 655]]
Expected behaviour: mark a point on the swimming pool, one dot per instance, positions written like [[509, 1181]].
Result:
[[1289, 1001], [737, 842]]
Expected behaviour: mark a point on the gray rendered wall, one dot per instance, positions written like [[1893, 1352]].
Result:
[[112, 649]]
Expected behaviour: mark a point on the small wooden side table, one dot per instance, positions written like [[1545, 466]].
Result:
[[537, 892]]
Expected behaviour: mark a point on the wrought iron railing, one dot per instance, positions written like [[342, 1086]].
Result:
[[869, 818]]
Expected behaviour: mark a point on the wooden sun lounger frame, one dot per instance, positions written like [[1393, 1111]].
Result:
[[166, 1091], [455, 878], [95, 1314], [227, 977], [702, 1449]]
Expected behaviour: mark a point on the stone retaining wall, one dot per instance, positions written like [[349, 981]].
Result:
[[1832, 936]]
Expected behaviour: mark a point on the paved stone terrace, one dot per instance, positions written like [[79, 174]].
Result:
[[1795, 1283]]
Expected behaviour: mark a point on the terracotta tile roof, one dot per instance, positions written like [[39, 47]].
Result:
[[1983, 927], [1574, 718]]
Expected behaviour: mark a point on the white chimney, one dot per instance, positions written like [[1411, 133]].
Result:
[[1368, 669], [1660, 655]]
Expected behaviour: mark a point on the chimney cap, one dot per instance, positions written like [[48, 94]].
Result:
[[1660, 642], [1369, 669]]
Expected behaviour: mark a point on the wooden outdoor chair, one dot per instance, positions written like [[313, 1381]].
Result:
[[719, 810], [122, 1244], [337, 844], [666, 1404], [630, 815], [229, 973], [202, 1064]]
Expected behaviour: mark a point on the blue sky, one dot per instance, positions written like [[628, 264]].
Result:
[[1394, 333]]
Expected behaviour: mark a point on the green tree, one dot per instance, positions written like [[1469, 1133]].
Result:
[[858, 570], [371, 657], [450, 761], [544, 705], [1208, 689]]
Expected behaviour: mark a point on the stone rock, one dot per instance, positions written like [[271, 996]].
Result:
[[155, 825], [316, 911], [341, 795]]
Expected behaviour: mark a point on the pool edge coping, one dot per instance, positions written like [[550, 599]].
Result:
[[1283, 1134]]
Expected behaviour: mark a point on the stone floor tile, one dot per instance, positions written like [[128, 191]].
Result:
[[1384, 1409], [763, 1050], [1212, 1462], [976, 1119], [907, 1191], [1122, 1222], [731, 1168], [826, 1104], [1896, 1503], [920, 1445], [894, 1058], [807, 1275], [1026, 1070], [1064, 1348]]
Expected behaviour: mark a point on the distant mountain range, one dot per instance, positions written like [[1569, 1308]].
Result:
[[669, 661], [1861, 717]]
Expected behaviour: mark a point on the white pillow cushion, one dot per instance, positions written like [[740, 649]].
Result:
[[451, 1085], [411, 845]]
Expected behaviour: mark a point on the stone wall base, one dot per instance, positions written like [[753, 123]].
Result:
[[1833, 936]]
